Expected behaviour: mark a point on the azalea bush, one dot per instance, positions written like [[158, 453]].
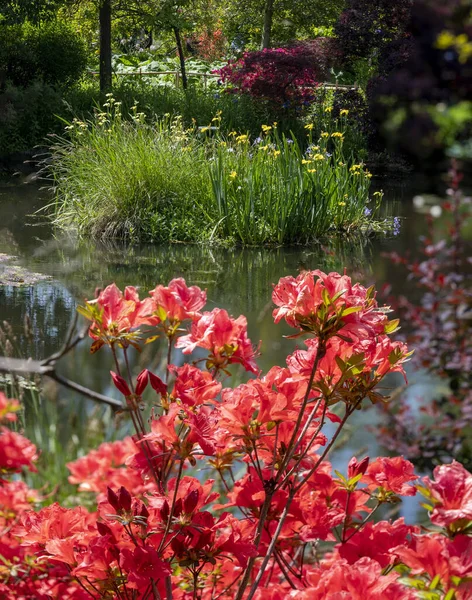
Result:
[[227, 492], [165, 181]]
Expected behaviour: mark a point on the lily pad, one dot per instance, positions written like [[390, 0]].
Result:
[[15, 275]]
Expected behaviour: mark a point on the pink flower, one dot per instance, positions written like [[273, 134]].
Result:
[[193, 386], [16, 452], [375, 540], [451, 494], [224, 337], [114, 315], [391, 474], [104, 467], [178, 302], [330, 305]]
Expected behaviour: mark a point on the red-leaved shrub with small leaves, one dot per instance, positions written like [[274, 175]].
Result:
[[282, 76]]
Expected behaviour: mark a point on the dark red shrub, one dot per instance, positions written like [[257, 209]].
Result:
[[283, 76]]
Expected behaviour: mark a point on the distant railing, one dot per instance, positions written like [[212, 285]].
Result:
[[178, 75]]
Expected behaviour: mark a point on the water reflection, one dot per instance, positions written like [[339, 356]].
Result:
[[239, 280]]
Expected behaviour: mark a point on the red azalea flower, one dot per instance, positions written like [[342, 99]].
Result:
[[177, 302], [392, 475], [192, 386], [115, 315], [104, 467], [16, 452], [224, 337], [375, 540], [142, 564], [451, 494]]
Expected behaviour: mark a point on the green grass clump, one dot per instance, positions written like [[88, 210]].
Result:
[[164, 181]]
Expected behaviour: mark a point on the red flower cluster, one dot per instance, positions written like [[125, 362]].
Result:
[[159, 532], [225, 339]]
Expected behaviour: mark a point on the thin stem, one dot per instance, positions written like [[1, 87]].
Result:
[[271, 547], [260, 527], [168, 588], [170, 339], [310, 443], [274, 457], [284, 572], [347, 517], [320, 352], [117, 364], [128, 368], [171, 513], [349, 411], [361, 525]]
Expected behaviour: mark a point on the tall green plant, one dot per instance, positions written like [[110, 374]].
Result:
[[165, 181]]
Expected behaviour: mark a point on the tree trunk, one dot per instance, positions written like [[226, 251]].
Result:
[[267, 27], [105, 46], [180, 50]]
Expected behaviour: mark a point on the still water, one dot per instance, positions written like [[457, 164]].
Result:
[[45, 275]]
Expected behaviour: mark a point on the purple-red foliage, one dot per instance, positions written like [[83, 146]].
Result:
[[365, 26], [282, 76], [439, 329]]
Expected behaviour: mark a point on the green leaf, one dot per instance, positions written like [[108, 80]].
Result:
[[85, 312], [350, 310], [341, 364], [338, 295], [392, 326], [341, 477], [355, 479], [326, 297]]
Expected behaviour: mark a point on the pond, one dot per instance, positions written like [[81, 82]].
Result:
[[45, 276]]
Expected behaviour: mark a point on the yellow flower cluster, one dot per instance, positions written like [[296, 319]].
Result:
[[461, 43], [266, 128], [355, 168]]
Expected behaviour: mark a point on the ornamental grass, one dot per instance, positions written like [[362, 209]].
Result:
[[162, 181]]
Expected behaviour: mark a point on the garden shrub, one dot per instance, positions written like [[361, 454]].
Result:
[[365, 27], [413, 111], [52, 52], [283, 76], [27, 115], [228, 492], [438, 323]]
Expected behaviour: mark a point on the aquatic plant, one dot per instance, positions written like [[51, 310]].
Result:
[[165, 181]]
